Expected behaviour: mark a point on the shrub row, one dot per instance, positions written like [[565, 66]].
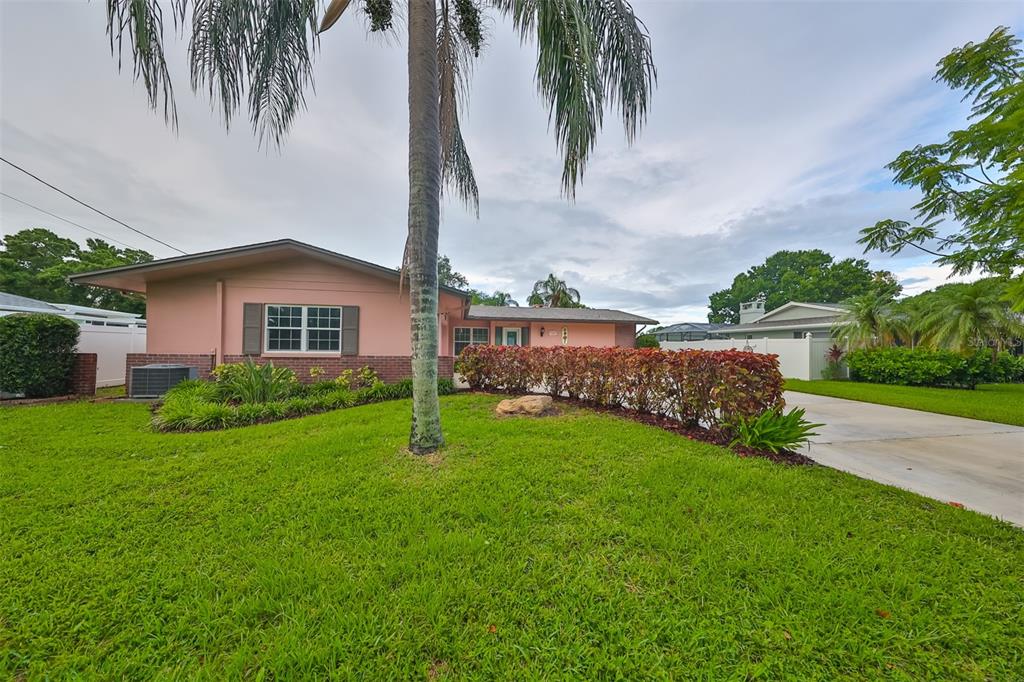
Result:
[[37, 354], [923, 367], [696, 387], [198, 405]]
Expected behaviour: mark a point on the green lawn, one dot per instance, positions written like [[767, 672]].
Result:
[[1003, 403], [580, 546]]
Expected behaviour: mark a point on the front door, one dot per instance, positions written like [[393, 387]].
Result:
[[511, 337]]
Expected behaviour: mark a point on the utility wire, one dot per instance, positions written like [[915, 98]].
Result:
[[91, 208], [70, 222]]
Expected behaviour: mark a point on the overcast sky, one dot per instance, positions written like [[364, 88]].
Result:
[[770, 129]]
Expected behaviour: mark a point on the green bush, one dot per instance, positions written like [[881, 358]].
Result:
[[647, 341], [197, 405], [923, 367], [37, 354], [773, 430], [247, 382]]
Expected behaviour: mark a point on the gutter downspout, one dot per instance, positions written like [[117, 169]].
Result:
[[219, 350]]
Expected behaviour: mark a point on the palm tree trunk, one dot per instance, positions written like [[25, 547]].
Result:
[[424, 221]]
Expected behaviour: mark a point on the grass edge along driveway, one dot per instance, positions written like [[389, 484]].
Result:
[[1001, 403], [578, 546]]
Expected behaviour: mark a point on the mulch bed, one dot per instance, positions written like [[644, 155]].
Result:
[[16, 402], [698, 433]]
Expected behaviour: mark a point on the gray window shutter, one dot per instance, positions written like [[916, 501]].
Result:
[[524, 337], [252, 329], [350, 330], [498, 341]]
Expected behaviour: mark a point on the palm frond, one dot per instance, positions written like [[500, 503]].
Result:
[[143, 21], [454, 55], [589, 53], [627, 64], [265, 47]]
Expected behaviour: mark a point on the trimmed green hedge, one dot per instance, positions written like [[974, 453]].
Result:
[[37, 354], [922, 367], [197, 405]]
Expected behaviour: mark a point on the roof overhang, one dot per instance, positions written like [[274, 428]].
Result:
[[838, 309], [137, 277], [753, 329], [541, 315]]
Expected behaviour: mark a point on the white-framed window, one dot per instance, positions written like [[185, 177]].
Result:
[[302, 328], [471, 336]]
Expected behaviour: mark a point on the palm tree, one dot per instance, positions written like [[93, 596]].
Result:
[[590, 54], [967, 317], [502, 298], [554, 293], [869, 320]]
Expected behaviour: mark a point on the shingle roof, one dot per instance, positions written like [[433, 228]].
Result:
[[25, 302], [495, 312], [219, 254]]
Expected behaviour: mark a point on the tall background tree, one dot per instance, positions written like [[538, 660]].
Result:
[[36, 263], [553, 292], [971, 211], [448, 276], [591, 55], [810, 276]]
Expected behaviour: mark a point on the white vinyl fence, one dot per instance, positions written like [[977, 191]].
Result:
[[798, 358], [111, 343]]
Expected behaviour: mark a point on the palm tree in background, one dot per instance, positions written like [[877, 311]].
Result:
[[967, 317], [503, 298], [591, 54], [870, 320], [554, 293]]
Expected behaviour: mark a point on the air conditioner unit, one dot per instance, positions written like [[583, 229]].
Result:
[[152, 381]]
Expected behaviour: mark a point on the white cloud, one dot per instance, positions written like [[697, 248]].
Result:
[[769, 129]]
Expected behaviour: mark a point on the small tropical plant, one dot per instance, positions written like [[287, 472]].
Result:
[[773, 430], [834, 362], [353, 380], [247, 382]]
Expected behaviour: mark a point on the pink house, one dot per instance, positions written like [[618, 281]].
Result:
[[302, 306]]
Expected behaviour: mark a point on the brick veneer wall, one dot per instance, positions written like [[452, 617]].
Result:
[[390, 368], [203, 362], [83, 374]]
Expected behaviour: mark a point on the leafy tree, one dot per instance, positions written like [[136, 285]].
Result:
[[36, 263], [972, 184], [554, 293], [799, 276], [447, 276], [259, 55]]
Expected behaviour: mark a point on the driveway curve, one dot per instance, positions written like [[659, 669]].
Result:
[[952, 459]]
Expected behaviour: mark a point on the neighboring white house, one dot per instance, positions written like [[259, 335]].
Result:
[[111, 334], [794, 320], [799, 333]]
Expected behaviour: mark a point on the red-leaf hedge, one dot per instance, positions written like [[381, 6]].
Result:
[[697, 387]]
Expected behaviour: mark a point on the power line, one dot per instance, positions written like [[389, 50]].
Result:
[[70, 222], [91, 208]]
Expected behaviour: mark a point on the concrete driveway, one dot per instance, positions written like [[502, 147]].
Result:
[[952, 459]]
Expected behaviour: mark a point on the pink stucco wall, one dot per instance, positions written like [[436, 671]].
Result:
[[190, 315], [580, 333], [201, 314]]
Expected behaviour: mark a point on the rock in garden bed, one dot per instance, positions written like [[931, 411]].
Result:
[[527, 406]]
